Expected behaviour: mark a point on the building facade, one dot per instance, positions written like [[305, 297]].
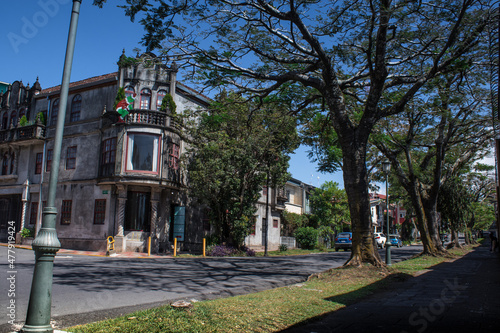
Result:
[[294, 198], [378, 206], [118, 176], [4, 86], [16, 102]]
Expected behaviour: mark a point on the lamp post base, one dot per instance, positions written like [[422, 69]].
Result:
[[37, 329], [388, 254]]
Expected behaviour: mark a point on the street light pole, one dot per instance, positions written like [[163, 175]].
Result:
[[265, 227], [46, 243], [386, 165]]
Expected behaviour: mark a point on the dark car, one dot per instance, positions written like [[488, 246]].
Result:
[[445, 237], [343, 241]]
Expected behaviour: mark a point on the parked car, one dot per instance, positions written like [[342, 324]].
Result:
[[445, 238], [380, 239], [343, 241], [395, 240]]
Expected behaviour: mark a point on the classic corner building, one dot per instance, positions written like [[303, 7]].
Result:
[[118, 176]]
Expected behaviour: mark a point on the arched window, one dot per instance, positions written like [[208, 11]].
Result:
[[145, 99], [129, 91], [55, 111], [22, 113], [5, 121], [13, 118], [76, 106], [12, 159], [5, 164], [159, 98]]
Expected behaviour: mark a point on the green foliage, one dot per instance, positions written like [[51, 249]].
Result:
[[325, 149], [325, 232], [213, 239], [434, 143], [387, 57], [125, 61], [307, 237], [167, 103], [236, 144], [321, 247], [40, 117], [283, 248], [329, 205], [27, 232], [23, 121], [291, 221], [120, 96], [483, 167], [483, 215], [455, 204]]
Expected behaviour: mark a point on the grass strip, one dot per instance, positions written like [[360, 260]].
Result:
[[272, 310]]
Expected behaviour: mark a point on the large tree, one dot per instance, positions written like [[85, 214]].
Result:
[[236, 148], [455, 207], [437, 138], [480, 182], [363, 60]]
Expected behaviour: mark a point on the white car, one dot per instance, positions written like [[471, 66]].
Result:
[[380, 238]]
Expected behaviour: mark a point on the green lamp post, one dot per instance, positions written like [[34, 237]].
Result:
[[46, 244]]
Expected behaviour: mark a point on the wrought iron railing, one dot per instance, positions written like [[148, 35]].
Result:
[[30, 132], [149, 117], [281, 194]]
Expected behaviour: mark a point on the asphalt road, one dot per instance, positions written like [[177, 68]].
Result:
[[87, 288]]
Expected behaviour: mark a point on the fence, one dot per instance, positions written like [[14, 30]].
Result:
[[289, 242]]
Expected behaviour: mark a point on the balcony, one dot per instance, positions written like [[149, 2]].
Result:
[[281, 198], [280, 206], [281, 194], [149, 117], [23, 134]]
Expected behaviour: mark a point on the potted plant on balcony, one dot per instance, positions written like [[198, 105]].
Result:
[[167, 103], [23, 121], [40, 118]]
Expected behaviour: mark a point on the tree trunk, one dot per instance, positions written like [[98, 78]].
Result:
[[469, 238], [430, 209], [426, 222], [427, 243], [364, 248], [454, 240]]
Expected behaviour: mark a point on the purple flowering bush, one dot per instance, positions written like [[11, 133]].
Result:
[[228, 251], [221, 251], [248, 252]]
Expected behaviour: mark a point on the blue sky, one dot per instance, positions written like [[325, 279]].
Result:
[[34, 38]]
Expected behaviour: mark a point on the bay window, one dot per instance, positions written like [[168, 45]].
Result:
[[142, 152]]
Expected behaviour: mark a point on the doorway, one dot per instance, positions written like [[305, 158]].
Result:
[[138, 211]]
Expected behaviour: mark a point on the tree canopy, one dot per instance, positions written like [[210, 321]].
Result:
[[235, 150], [329, 206], [355, 61], [438, 137]]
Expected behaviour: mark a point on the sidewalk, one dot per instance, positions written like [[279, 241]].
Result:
[[458, 296]]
